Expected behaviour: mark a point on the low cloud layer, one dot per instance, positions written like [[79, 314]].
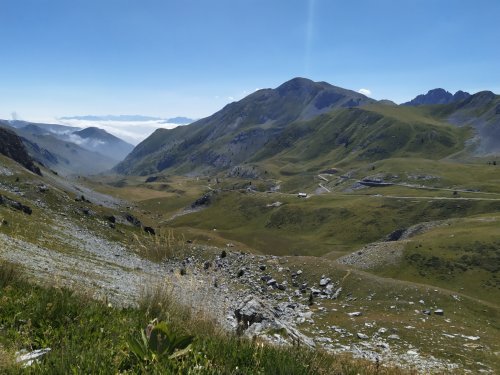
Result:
[[130, 131]]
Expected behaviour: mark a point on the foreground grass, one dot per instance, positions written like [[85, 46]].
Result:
[[88, 336]]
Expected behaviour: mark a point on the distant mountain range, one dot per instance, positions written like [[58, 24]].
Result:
[[300, 124], [49, 128], [70, 150], [305, 124], [131, 118], [179, 120]]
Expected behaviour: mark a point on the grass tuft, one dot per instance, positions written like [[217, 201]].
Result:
[[164, 245], [9, 273]]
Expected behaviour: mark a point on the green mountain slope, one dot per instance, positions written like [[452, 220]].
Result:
[[305, 125], [480, 111], [361, 134], [235, 133], [99, 140]]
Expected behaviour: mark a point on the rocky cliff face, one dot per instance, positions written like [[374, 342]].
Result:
[[12, 147]]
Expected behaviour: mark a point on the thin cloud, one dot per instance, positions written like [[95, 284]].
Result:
[[365, 92]]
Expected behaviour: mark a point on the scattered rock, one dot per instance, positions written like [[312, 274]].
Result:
[[149, 230], [111, 219], [87, 211], [27, 359], [355, 313], [249, 312], [396, 235], [43, 188], [362, 336], [337, 293], [132, 220], [383, 345], [324, 281], [472, 338], [205, 200], [271, 282], [15, 204], [275, 204]]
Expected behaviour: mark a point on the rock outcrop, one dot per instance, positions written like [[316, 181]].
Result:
[[12, 147]]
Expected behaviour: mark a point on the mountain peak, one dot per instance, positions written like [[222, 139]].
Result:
[[94, 132], [241, 129], [438, 96]]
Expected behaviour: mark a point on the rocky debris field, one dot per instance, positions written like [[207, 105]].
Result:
[[374, 255]]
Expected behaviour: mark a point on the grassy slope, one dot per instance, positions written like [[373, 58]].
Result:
[[320, 224], [90, 337], [463, 256], [353, 136], [395, 305]]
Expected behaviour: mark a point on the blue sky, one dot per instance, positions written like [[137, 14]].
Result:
[[191, 57]]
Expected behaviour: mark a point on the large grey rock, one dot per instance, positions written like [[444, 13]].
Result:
[[249, 312], [324, 281], [256, 318]]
